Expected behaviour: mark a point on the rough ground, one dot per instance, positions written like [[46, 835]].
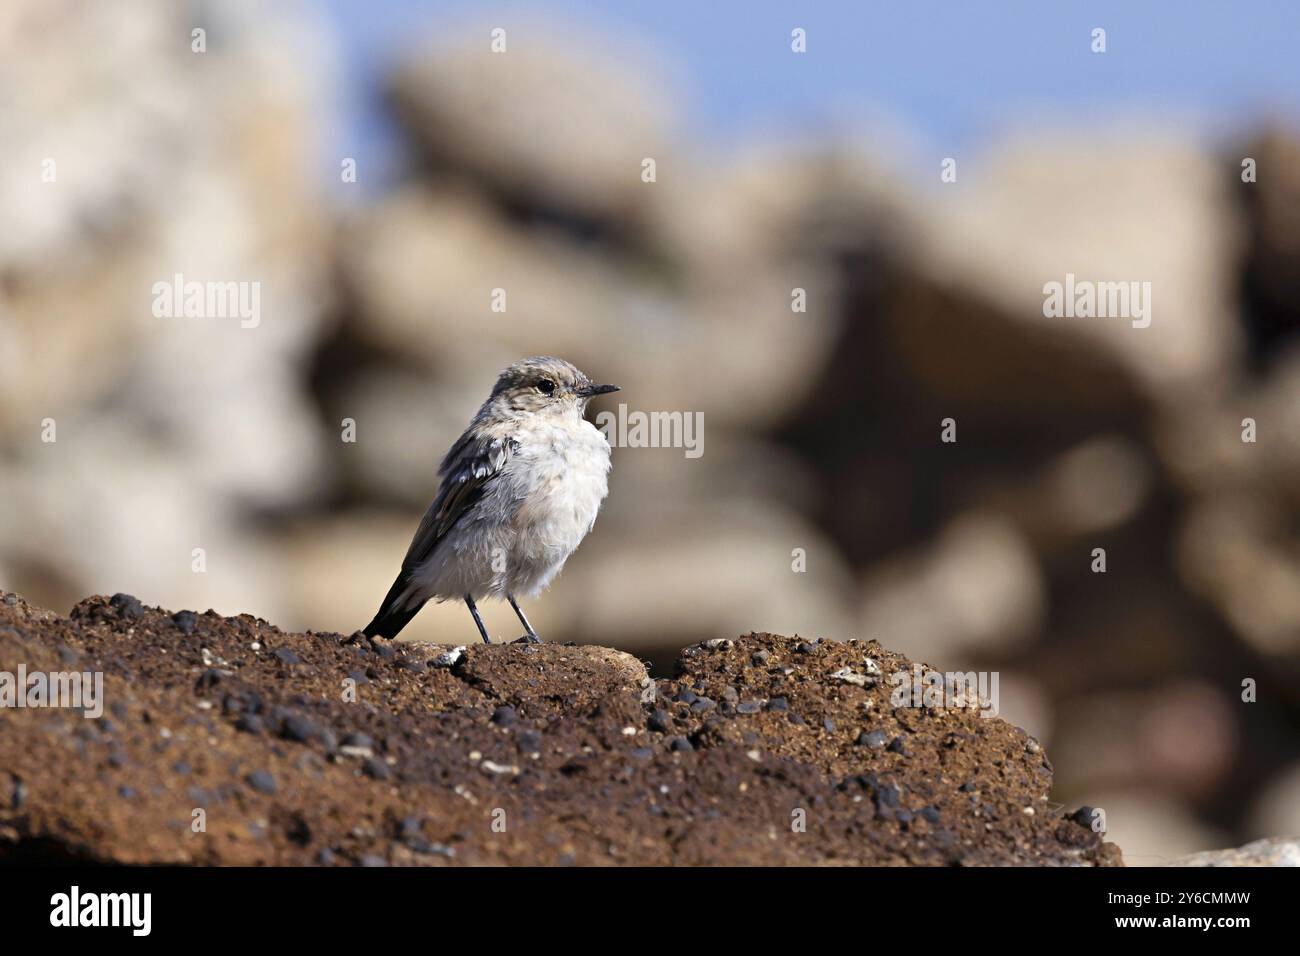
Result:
[[514, 754]]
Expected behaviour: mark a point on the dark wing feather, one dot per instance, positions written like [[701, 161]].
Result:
[[466, 471]]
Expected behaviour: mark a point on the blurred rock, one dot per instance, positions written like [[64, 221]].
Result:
[[977, 586], [551, 122], [165, 162], [1154, 829], [1277, 809], [1270, 281], [1124, 210], [1233, 552], [1181, 737], [1276, 851]]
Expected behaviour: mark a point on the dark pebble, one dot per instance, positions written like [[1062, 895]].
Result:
[[930, 814], [642, 753], [127, 793], [702, 704], [749, 707], [804, 648], [209, 678], [186, 621], [356, 739], [249, 724], [660, 721], [1083, 817], [299, 728], [778, 703], [371, 860], [874, 739], [505, 716], [681, 744], [261, 781], [287, 656], [359, 676], [967, 787], [759, 658], [325, 857], [127, 605], [11, 598], [828, 725], [686, 696], [376, 769], [897, 746], [529, 741]]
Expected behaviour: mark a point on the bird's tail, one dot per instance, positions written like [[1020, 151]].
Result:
[[393, 614]]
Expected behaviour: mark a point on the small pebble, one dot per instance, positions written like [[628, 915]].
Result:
[[376, 769], [778, 703], [186, 621], [660, 721], [749, 707], [261, 781], [299, 728], [249, 724], [287, 656], [127, 605], [874, 739], [681, 744], [449, 658], [529, 741], [505, 716]]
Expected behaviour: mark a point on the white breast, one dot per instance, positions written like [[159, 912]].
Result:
[[559, 477]]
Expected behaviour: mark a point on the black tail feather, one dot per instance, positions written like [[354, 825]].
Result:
[[390, 620]]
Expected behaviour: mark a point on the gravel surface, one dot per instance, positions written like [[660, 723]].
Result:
[[227, 741]]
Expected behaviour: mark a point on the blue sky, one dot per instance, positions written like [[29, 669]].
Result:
[[953, 74]]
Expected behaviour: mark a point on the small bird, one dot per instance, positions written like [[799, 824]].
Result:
[[520, 490]]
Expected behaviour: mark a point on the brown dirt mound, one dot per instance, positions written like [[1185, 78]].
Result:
[[752, 754]]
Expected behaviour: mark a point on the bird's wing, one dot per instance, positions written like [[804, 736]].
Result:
[[470, 465]]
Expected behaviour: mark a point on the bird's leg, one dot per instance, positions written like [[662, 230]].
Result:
[[469, 601], [531, 637]]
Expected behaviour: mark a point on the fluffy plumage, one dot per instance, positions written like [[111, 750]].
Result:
[[519, 491]]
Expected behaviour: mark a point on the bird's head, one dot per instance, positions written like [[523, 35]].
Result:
[[543, 385]]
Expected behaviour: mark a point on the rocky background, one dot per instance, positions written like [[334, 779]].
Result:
[[822, 428]]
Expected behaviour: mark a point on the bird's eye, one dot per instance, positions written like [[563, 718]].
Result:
[[546, 386]]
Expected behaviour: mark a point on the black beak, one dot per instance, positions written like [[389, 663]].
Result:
[[587, 391]]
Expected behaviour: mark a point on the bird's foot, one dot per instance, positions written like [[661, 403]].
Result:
[[527, 639]]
